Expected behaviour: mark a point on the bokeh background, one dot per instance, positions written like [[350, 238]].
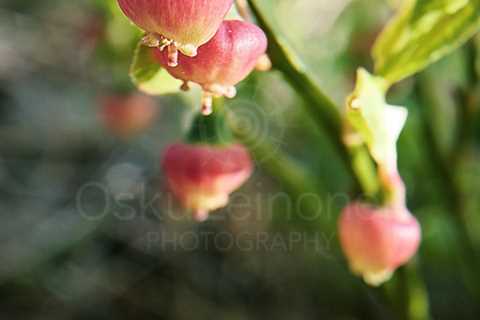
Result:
[[88, 230]]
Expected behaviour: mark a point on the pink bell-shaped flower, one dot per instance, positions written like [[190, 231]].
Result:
[[223, 62], [376, 241], [126, 115], [182, 25], [203, 176]]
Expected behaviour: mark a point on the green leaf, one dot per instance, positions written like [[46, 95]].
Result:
[[422, 32], [378, 124], [149, 76]]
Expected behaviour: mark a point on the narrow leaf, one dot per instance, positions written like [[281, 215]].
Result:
[[422, 32]]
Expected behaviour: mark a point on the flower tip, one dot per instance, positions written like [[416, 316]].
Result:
[[264, 63], [376, 279], [206, 110], [200, 215], [189, 50], [207, 104], [185, 86], [230, 92]]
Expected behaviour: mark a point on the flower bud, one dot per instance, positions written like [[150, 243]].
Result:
[[203, 176], [176, 25], [223, 62], [127, 115], [377, 241]]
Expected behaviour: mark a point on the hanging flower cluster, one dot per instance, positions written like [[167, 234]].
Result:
[[193, 43], [190, 42]]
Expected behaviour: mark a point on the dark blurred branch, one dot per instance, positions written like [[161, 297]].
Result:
[[408, 293], [468, 105], [292, 176], [426, 93], [452, 195]]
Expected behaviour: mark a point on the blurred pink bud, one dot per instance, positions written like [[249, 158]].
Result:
[[91, 31], [127, 115], [181, 25], [376, 241], [202, 176], [224, 61]]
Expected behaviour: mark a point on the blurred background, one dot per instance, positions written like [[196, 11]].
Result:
[[88, 230]]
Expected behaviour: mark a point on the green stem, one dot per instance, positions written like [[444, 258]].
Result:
[[212, 129], [365, 169]]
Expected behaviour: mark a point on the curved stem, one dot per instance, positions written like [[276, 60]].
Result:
[[320, 107]]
